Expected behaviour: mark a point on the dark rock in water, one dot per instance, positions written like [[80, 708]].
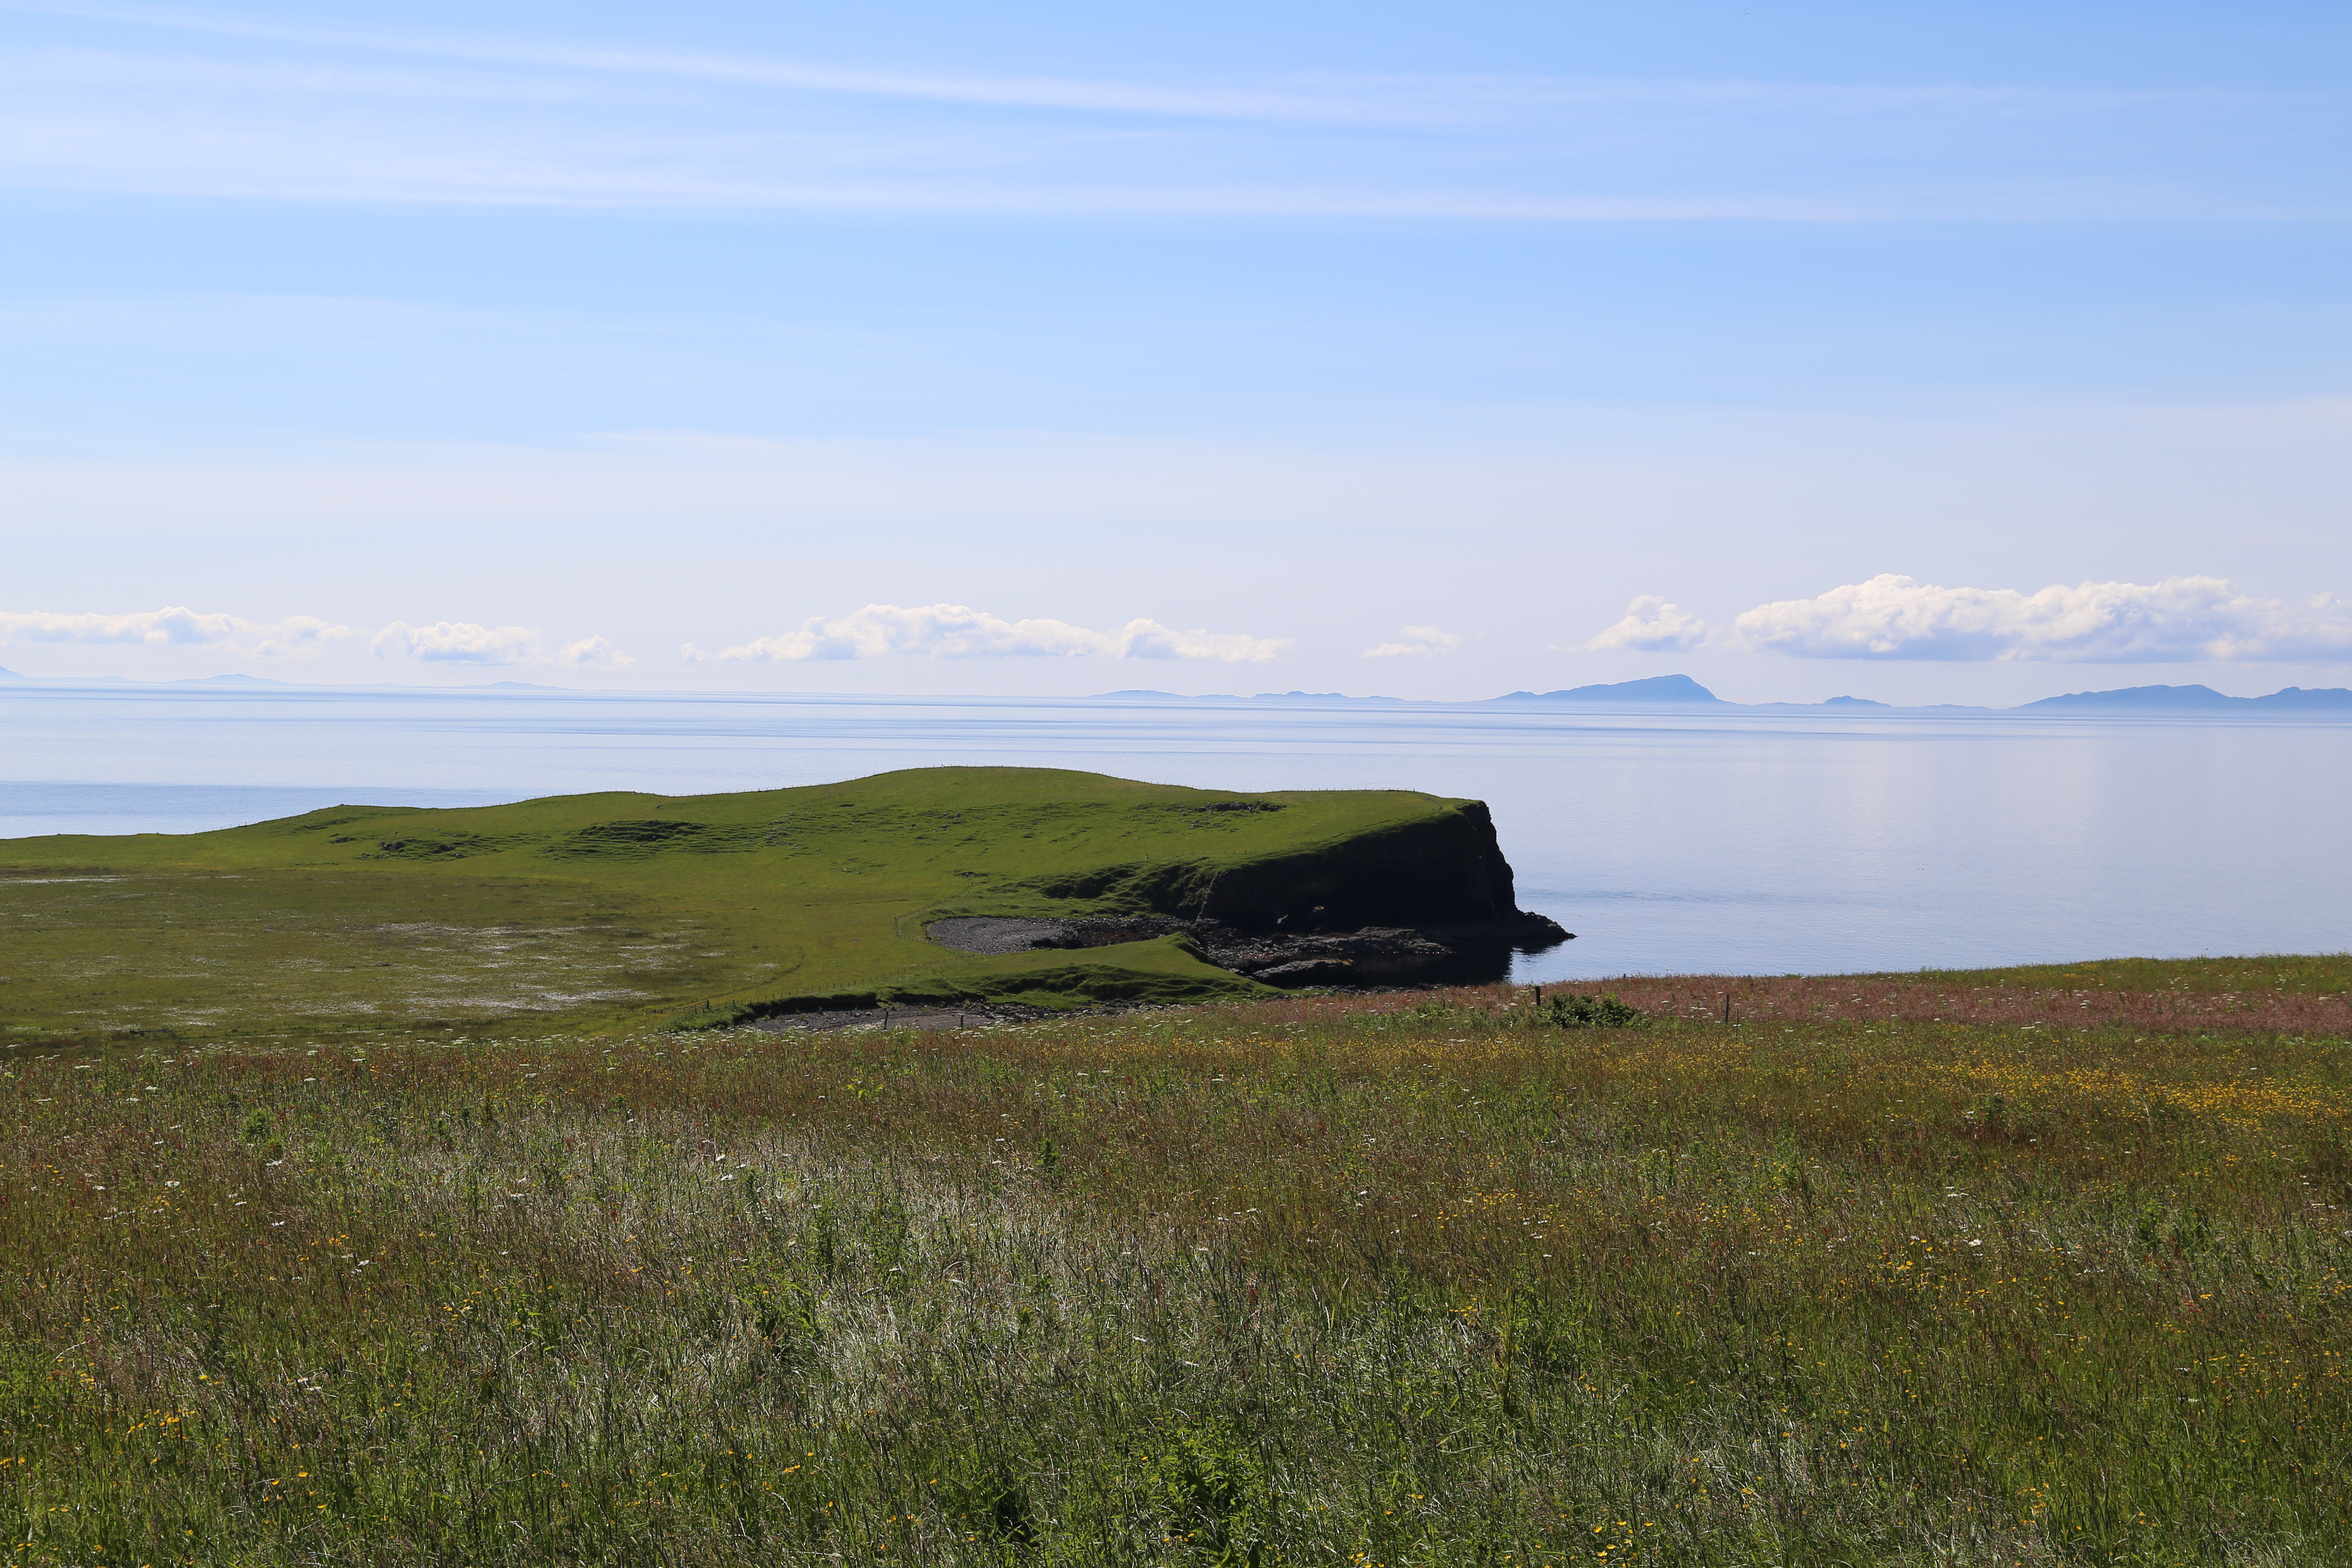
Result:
[[1376, 956], [1380, 951], [1381, 955], [1311, 971]]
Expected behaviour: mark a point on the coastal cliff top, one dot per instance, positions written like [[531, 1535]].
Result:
[[632, 907]]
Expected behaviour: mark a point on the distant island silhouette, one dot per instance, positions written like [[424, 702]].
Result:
[[2193, 699], [1651, 691], [1682, 691]]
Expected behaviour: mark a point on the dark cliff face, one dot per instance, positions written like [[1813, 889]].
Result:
[[1445, 870]]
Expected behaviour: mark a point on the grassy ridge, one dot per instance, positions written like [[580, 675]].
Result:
[[615, 908], [1384, 1280], [2275, 972]]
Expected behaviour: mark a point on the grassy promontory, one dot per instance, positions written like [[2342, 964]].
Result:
[[2035, 1267], [614, 910]]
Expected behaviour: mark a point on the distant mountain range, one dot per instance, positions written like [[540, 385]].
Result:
[[1682, 691], [1674, 688], [2193, 699], [1655, 692]]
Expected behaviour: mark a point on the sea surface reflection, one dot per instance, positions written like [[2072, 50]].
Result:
[[1746, 841]]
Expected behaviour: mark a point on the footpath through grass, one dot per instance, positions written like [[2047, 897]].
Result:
[[1387, 1280]]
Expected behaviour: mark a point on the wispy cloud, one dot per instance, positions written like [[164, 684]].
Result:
[[335, 134], [1386, 97], [2178, 620], [1111, 97], [172, 627], [1651, 626], [1415, 642], [957, 631], [319, 112]]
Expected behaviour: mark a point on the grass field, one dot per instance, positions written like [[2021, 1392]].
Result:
[[1350, 1281], [601, 909]]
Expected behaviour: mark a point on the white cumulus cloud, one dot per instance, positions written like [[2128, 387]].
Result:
[[1651, 626], [1149, 639], [2180, 620], [597, 651], [958, 631], [172, 627], [1415, 642], [457, 642]]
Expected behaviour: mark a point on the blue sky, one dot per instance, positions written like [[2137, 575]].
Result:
[[1428, 351]]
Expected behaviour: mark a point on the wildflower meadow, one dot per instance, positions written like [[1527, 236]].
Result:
[[1433, 1278]]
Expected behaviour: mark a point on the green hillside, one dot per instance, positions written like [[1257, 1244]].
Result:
[[623, 909]]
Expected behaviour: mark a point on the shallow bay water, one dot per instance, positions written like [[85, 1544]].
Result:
[[1756, 841]]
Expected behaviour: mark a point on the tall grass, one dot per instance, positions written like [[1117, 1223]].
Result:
[[1308, 1282]]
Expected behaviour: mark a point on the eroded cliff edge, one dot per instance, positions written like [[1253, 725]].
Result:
[[1426, 900]]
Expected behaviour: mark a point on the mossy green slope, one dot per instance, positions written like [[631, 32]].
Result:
[[628, 907]]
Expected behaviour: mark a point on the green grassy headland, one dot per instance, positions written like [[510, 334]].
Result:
[[616, 909], [1985, 1270], [2040, 1266]]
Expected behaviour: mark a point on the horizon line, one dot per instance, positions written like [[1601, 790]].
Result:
[[233, 680]]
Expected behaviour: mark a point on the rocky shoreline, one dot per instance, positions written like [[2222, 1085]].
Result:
[[1368, 956]]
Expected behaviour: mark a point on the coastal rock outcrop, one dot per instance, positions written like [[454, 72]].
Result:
[[1426, 900], [1375, 955]]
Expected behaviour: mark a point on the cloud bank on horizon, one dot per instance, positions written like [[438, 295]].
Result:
[[2180, 620], [958, 631], [172, 627], [176, 626], [1887, 619]]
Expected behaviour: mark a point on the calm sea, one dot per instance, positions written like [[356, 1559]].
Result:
[[1758, 842]]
